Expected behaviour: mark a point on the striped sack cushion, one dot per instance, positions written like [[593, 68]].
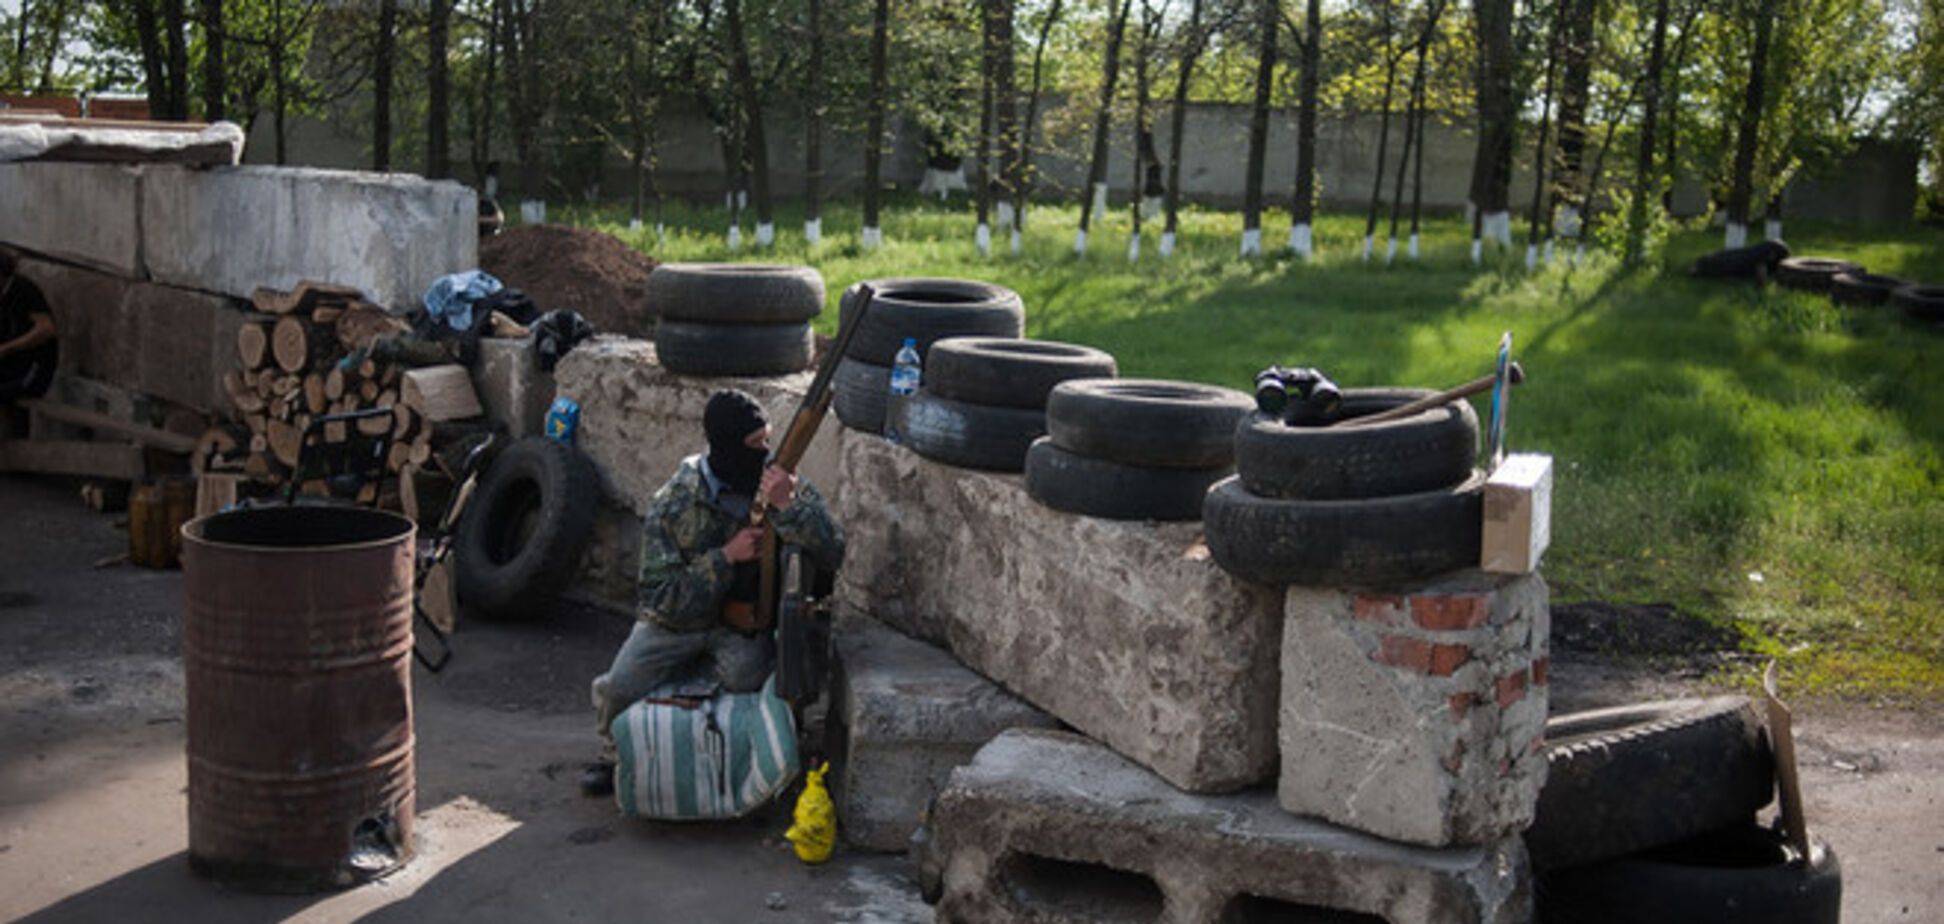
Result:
[[722, 758]]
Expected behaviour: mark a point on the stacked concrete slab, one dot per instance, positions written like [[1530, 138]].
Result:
[[1126, 631], [88, 214]]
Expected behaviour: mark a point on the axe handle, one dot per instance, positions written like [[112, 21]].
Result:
[[1480, 384]]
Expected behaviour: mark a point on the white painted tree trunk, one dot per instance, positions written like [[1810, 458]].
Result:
[[1368, 243], [634, 224], [1016, 243], [813, 230], [1414, 245], [1004, 212], [533, 211], [1390, 252], [1498, 227], [1133, 247], [983, 238], [1532, 257], [1478, 251], [1166, 248], [1251, 242], [1300, 242], [1099, 199], [1772, 230], [1735, 236], [1080, 243], [735, 237], [765, 234], [943, 183], [871, 238]]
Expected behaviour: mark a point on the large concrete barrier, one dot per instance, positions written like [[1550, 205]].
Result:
[[84, 213]]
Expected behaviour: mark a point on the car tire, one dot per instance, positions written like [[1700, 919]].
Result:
[[735, 293], [1745, 874], [1742, 262], [1149, 422], [523, 532], [928, 310], [1006, 372], [1355, 543], [858, 392], [1863, 288], [1921, 303], [1636, 777], [1812, 274], [1432, 449], [1115, 490], [714, 350], [967, 435]]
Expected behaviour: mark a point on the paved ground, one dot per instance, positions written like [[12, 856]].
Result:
[[93, 816]]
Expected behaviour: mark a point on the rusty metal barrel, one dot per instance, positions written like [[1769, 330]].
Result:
[[297, 639]]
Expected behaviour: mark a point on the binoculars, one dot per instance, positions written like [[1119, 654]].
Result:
[[1298, 396]]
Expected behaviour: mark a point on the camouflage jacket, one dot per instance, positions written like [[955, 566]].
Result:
[[684, 575]]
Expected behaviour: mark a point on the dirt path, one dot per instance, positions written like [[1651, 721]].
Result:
[[93, 816]]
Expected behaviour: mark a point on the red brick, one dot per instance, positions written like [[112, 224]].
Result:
[[1378, 608], [1404, 651], [1511, 688], [1539, 669], [1445, 659], [1450, 612], [1461, 703]]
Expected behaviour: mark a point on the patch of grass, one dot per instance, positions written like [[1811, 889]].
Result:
[[1758, 457]]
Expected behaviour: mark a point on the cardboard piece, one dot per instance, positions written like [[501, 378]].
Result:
[[1518, 514]]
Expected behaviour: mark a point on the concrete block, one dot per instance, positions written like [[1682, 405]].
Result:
[[638, 420], [99, 339], [84, 213], [612, 562], [1126, 631], [903, 715], [188, 341], [233, 229], [511, 386], [1048, 826], [1417, 714]]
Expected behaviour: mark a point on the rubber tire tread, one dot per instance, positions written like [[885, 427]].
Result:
[[859, 392], [1426, 451], [1114, 490], [968, 435], [985, 310], [1651, 774], [735, 293], [1352, 543], [1004, 372], [1921, 302], [715, 350], [1152, 422], [1812, 274], [1667, 890], [1863, 288], [568, 487]]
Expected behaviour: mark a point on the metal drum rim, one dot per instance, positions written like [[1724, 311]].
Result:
[[189, 537]]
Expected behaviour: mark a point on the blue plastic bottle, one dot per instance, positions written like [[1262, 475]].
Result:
[[905, 376]]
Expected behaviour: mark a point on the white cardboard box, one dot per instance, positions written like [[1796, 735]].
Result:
[[1518, 514]]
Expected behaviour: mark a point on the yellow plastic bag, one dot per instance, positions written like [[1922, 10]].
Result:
[[814, 832]]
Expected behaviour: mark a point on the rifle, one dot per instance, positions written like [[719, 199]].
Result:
[[796, 441]]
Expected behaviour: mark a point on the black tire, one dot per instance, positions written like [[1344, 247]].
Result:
[[1863, 288], [735, 293], [858, 392], [692, 348], [1147, 421], [1423, 452], [1004, 372], [1114, 490], [967, 435], [1921, 303], [1632, 778], [524, 530], [929, 310], [1356, 543], [1744, 874], [1742, 262], [1812, 274]]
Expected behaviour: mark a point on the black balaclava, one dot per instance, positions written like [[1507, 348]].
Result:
[[729, 418]]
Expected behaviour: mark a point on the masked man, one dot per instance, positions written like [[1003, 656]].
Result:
[[29, 349]]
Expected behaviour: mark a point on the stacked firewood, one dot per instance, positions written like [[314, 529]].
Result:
[[305, 357]]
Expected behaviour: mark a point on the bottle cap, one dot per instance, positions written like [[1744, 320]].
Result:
[[910, 342]]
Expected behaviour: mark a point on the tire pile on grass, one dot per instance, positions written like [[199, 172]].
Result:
[[1134, 449], [1846, 283], [734, 319], [575, 269]]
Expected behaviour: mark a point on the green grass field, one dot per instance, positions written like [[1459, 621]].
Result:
[[1758, 458]]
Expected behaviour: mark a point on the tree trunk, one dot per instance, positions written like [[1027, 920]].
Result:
[[1005, 116], [486, 103], [279, 82], [1096, 190], [1302, 206], [1751, 123], [1383, 131], [214, 73], [19, 76], [1267, 21], [1023, 181], [1646, 180], [1497, 115], [148, 31], [174, 22], [755, 145], [1541, 197], [813, 130], [982, 196], [1576, 55], [1413, 120], [381, 85], [1191, 49], [438, 90], [874, 127]]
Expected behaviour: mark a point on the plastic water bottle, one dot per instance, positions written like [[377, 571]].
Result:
[[905, 375]]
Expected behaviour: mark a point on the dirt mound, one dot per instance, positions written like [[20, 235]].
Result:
[[575, 269]]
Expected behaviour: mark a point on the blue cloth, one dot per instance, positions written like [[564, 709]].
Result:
[[451, 298]]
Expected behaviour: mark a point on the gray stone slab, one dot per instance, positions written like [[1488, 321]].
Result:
[[903, 715], [188, 341], [511, 386], [233, 229], [86, 213], [1417, 713], [1126, 631], [99, 339], [1048, 826]]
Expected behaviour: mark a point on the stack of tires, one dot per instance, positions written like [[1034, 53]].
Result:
[[1649, 814], [724, 319], [1385, 502], [927, 311], [1134, 449], [1921, 302], [1813, 274], [982, 401]]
